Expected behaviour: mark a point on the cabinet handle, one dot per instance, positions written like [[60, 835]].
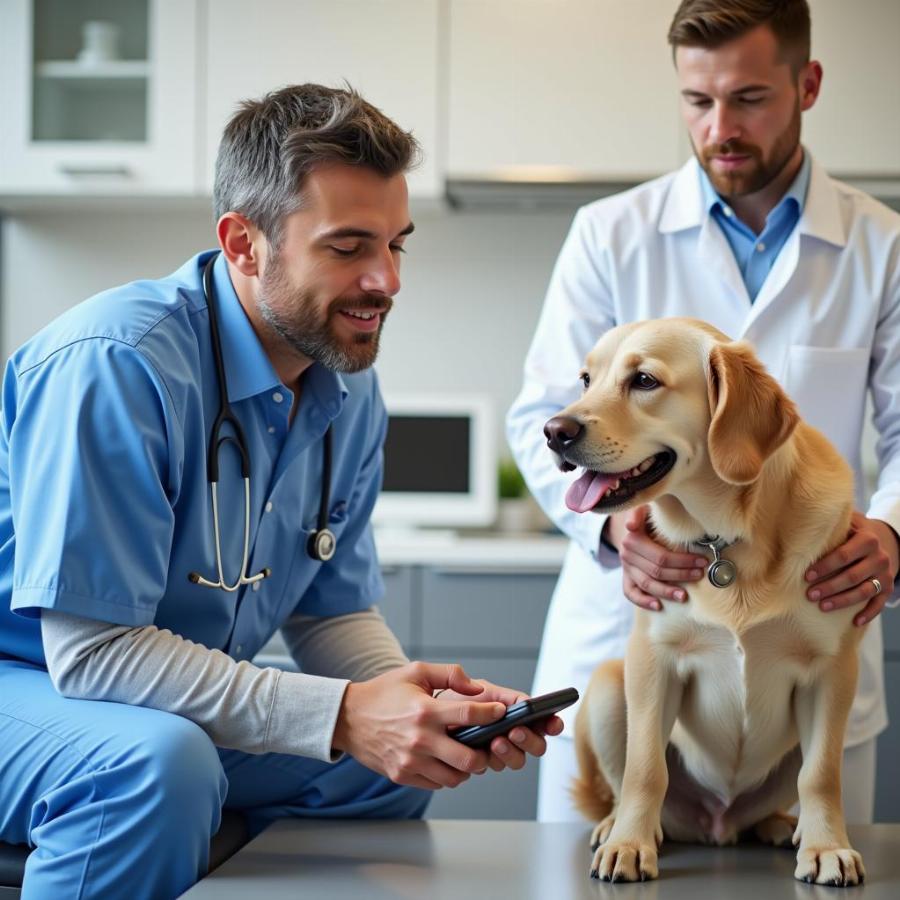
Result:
[[77, 171]]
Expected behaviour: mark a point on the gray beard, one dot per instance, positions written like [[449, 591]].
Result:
[[313, 340], [298, 325]]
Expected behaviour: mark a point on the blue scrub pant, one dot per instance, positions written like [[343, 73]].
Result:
[[121, 801]]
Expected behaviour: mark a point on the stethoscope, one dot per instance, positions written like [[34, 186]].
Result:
[[322, 542]]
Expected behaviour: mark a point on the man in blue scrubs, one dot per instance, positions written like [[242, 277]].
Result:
[[108, 541]]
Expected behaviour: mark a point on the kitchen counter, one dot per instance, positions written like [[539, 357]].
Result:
[[478, 550], [449, 860]]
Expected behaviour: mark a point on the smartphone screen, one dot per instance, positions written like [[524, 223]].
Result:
[[525, 712]]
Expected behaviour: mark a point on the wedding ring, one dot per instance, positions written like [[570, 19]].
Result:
[[877, 584]]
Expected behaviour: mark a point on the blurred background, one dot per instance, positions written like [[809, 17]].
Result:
[[108, 139], [525, 108]]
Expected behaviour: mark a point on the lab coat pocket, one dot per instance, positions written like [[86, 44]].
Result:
[[829, 387]]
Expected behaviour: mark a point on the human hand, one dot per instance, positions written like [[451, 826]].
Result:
[[648, 568], [844, 576], [394, 725], [510, 751]]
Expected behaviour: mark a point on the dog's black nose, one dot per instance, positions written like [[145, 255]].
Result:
[[561, 432]]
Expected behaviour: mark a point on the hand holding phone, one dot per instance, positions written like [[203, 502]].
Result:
[[525, 712]]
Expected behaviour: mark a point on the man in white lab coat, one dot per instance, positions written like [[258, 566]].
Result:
[[754, 237]]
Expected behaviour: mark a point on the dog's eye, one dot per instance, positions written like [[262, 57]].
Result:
[[585, 380], [644, 382]]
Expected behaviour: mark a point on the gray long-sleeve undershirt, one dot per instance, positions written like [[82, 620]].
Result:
[[239, 705]]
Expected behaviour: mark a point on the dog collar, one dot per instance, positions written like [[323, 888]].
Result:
[[721, 572]]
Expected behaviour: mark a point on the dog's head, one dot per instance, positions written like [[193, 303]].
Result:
[[663, 401]]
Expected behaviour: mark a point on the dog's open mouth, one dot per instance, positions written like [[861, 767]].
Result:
[[607, 490]]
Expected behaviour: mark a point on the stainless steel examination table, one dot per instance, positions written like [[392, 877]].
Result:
[[469, 860]]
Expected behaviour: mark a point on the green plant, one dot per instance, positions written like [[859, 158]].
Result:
[[510, 483]]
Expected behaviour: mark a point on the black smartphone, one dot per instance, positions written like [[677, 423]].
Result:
[[522, 713]]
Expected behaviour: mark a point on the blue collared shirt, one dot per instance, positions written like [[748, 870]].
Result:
[[104, 499], [756, 253]]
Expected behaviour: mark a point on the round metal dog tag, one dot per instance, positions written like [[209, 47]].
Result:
[[721, 573]]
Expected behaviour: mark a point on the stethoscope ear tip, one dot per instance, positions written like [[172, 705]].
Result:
[[194, 577]]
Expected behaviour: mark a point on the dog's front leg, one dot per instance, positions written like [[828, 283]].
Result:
[[825, 855], [652, 697]]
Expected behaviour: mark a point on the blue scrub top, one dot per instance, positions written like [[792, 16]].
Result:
[[104, 502]]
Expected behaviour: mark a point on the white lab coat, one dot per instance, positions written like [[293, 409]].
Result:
[[826, 323]]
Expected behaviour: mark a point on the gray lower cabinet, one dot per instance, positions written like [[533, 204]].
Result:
[[490, 622], [398, 606], [887, 791], [496, 612], [494, 795], [887, 782]]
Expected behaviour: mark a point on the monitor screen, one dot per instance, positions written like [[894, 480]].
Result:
[[440, 462], [427, 453]]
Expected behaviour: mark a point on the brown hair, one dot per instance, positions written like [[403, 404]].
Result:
[[270, 145], [711, 23]]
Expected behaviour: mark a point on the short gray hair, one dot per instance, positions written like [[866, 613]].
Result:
[[270, 145]]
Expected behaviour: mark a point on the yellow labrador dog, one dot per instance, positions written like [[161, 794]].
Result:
[[730, 705]]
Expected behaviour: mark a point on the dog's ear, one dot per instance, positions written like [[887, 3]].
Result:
[[751, 415]]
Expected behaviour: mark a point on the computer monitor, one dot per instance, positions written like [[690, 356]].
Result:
[[440, 463]]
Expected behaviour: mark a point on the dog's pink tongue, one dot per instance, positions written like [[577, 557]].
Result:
[[585, 493]]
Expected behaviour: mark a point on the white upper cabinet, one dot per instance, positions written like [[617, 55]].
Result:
[[100, 98], [129, 97], [854, 128], [583, 84], [386, 49]]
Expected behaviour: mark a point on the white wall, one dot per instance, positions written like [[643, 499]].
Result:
[[473, 285]]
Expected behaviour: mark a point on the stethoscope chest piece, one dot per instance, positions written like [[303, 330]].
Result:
[[321, 544]]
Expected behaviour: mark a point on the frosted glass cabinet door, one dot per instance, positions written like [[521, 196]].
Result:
[[386, 49], [854, 128], [585, 84], [100, 97]]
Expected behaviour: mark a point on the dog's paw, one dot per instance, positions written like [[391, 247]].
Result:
[[625, 861], [601, 830], [837, 866], [777, 830]]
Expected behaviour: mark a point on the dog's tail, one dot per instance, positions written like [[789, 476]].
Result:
[[590, 791]]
